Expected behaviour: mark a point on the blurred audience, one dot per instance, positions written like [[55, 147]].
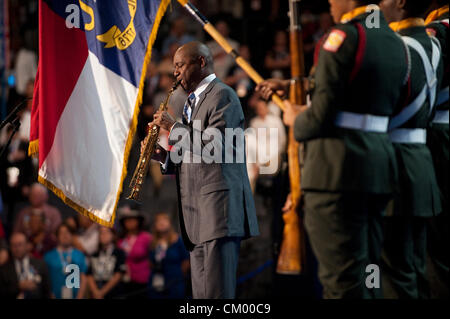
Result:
[[237, 78], [4, 254], [25, 70], [57, 261], [23, 277], [38, 205], [278, 60], [72, 223], [262, 142], [40, 241], [106, 267], [169, 259], [87, 237], [222, 61], [177, 35], [135, 242]]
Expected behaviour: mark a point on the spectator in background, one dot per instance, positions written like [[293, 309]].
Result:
[[25, 116], [151, 82], [40, 241], [278, 60], [106, 267], [169, 259], [177, 35], [4, 255], [72, 222], [325, 24], [86, 240], [309, 28], [16, 174], [25, 68], [136, 245], [38, 204], [264, 144], [222, 61], [59, 258], [237, 78], [23, 277]]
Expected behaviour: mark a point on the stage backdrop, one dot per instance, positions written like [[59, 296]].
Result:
[[92, 61]]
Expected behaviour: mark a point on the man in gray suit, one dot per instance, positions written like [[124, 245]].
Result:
[[215, 200]]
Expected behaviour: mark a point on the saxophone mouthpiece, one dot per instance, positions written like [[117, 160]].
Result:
[[175, 85]]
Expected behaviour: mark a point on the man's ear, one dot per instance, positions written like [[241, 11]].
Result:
[[401, 4], [202, 61]]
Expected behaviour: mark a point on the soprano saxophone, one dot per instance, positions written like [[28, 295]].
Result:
[[148, 149]]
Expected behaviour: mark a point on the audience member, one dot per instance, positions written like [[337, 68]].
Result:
[[72, 222], [40, 241], [106, 267], [57, 261], [23, 277], [38, 204], [86, 240], [237, 78], [222, 61], [169, 259], [25, 70], [4, 255], [177, 35], [136, 244], [262, 143], [16, 174], [278, 60]]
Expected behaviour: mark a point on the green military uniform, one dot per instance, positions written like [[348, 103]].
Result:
[[438, 142], [417, 195], [350, 167]]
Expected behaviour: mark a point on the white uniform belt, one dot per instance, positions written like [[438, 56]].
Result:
[[362, 122], [405, 135], [441, 117]]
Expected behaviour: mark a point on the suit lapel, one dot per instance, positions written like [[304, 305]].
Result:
[[203, 96]]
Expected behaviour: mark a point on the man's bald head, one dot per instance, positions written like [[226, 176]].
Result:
[[195, 50], [192, 63], [38, 195]]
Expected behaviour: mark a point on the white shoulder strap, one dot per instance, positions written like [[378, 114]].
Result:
[[430, 88], [430, 66]]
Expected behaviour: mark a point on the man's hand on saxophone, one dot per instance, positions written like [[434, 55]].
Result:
[[163, 119], [160, 153]]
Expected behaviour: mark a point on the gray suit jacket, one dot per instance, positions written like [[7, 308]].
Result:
[[215, 199]]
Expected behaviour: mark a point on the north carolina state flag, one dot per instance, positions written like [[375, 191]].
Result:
[[87, 96]]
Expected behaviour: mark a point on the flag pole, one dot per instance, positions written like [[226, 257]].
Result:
[[212, 31]]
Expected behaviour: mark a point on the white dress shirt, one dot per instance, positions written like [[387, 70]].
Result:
[[201, 87]]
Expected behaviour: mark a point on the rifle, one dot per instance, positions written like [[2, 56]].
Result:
[[291, 257], [208, 27]]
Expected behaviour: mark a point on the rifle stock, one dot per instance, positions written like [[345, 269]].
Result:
[[292, 252]]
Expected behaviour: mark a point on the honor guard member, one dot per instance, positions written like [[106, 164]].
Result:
[[438, 141], [350, 166], [417, 195]]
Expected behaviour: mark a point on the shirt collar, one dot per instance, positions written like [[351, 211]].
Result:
[[434, 15], [407, 23], [357, 12], [203, 85]]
